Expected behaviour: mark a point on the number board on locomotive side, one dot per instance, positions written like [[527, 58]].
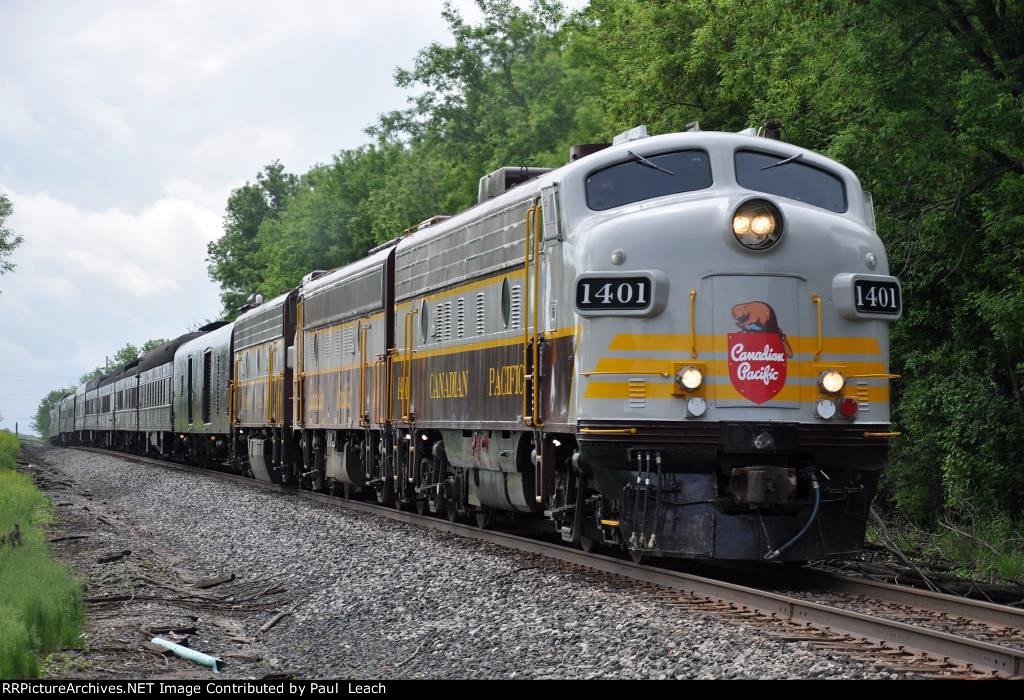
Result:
[[613, 293], [877, 297]]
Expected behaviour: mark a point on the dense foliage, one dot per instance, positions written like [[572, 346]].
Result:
[[922, 100]]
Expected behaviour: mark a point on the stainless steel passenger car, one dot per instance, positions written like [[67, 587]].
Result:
[[66, 413], [156, 415], [201, 395], [125, 402]]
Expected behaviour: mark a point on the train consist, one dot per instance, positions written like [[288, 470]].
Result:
[[674, 345]]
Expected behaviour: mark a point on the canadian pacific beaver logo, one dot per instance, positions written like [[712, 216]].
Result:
[[758, 354]]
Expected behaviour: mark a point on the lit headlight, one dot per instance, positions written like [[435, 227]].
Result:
[[690, 377], [832, 381], [757, 224]]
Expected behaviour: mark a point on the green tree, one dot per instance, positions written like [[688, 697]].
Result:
[[923, 101], [151, 344], [41, 419], [508, 92], [230, 256], [123, 357], [8, 239]]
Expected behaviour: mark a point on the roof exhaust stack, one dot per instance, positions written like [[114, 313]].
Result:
[[582, 150], [772, 129], [503, 179], [310, 276], [634, 134], [251, 302]]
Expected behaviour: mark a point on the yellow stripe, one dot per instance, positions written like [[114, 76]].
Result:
[[720, 368], [791, 392], [454, 350], [487, 344], [677, 342], [461, 289], [251, 382], [241, 354], [335, 370], [346, 324]]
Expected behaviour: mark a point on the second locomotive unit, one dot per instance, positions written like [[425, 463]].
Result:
[[676, 345]]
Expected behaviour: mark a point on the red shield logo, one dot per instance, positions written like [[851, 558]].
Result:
[[757, 364]]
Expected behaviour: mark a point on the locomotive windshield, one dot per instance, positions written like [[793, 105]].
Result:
[[788, 177], [648, 177]]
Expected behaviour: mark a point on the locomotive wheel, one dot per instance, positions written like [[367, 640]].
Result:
[[451, 505], [400, 502], [346, 491], [421, 506], [588, 544], [638, 557], [386, 494]]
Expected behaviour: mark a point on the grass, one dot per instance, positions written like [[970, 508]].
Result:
[[41, 607], [966, 544]]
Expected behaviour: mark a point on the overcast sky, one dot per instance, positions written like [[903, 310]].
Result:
[[123, 127]]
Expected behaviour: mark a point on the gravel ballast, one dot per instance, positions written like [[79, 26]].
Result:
[[373, 598]]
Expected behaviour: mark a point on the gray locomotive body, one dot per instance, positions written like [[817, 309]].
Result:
[[260, 409], [786, 423], [610, 345], [675, 345]]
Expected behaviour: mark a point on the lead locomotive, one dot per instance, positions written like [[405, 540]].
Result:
[[676, 345]]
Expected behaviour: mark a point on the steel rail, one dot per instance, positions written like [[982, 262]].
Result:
[[985, 655], [978, 610]]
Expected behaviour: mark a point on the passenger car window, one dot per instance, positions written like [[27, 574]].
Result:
[[795, 180], [638, 179]]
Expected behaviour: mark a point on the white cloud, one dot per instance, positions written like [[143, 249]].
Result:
[[25, 360], [89, 281], [109, 119], [16, 117], [219, 158], [172, 43], [158, 249]]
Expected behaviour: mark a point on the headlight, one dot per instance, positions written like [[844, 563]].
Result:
[[832, 381], [690, 377], [757, 224]]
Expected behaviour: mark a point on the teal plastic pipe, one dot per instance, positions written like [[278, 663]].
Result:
[[191, 654]]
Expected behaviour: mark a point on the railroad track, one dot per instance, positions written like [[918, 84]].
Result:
[[897, 626]]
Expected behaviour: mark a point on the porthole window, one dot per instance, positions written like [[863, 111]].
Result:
[[425, 320], [506, 302]]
